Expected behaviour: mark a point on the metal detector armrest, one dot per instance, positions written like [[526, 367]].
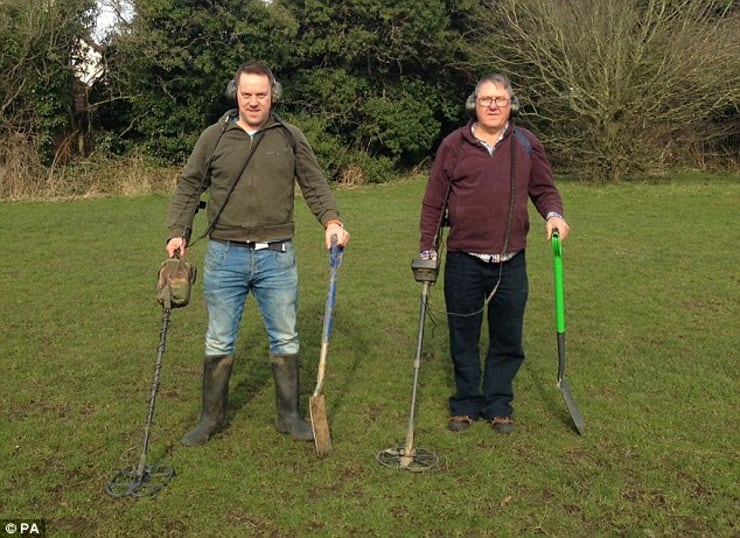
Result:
[[425, 270]]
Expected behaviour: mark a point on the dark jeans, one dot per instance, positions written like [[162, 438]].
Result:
[[468, 282]]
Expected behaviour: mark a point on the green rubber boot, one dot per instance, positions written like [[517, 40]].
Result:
[[285, 371], [216, 374]]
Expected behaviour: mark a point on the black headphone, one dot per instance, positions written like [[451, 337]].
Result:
[[257, 68], [498, 79]]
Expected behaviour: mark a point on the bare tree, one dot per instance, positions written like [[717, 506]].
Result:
[[618, 88], [41, 51]]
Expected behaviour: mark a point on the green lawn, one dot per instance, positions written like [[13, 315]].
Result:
[[653, 331]]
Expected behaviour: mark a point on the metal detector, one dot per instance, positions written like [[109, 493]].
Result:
[[145, 479], [175, 280], [409, 457]]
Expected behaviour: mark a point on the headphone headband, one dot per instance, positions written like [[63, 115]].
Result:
[[470, 106], [499, 80], [254, 68]]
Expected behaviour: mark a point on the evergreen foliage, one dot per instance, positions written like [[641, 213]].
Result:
[[615, 91]]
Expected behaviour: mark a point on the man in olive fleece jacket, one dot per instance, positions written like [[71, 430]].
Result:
[[249, 162], [483, 176]]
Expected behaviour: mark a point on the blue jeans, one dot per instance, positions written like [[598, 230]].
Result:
[[468, 282], [232, 271]]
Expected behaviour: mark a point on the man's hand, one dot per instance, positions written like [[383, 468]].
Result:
[[559, 224], [175, 244], [428, 255], [334, 228]]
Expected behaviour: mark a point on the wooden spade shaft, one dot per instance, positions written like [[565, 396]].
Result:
[[317, 402]]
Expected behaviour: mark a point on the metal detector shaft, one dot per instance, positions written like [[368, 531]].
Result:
[[144, 479], [408, 455], [153, 394], [560, 328]]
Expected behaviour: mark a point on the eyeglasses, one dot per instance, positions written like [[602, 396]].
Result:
[[488, 101]]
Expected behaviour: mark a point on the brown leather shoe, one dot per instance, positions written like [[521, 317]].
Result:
[[459, 423]]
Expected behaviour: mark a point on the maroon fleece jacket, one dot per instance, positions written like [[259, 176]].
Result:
[[480, 192]]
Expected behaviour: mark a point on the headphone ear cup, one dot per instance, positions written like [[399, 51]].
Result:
[[230, 91], [515, 105], [277, 92], [470, 106]]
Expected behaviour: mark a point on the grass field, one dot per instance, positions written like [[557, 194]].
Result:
[[653, 332]]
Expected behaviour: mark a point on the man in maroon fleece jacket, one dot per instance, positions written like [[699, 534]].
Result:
[[482, 178]]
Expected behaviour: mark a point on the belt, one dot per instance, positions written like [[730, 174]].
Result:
[[277, 246], [494, 258]]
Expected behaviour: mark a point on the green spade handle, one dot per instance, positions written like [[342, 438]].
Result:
[[557, 250]]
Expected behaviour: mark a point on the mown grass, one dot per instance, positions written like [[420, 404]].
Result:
[[651, 277]]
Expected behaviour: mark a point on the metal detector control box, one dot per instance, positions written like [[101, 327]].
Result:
[[425, 270]]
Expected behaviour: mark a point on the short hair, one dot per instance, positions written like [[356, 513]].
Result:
[[498, 79], [254, 68]]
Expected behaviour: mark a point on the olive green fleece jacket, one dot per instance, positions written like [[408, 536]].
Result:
[[261, 205]]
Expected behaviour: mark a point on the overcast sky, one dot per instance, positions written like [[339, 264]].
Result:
[[107, 18]]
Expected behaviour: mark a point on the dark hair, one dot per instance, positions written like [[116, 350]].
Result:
[[254, 68]]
